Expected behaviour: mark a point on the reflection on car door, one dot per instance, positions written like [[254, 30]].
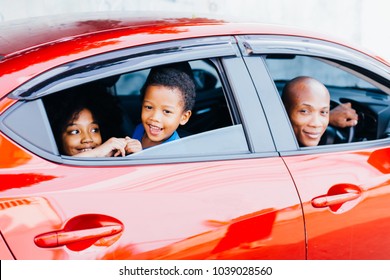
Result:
[[232, 209], [345, 201]]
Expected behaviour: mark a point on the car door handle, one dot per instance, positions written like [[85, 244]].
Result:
[[61, 238], [330, 200], [339, 198]]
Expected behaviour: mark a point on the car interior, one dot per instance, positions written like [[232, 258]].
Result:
[[368, 98], [210, 111]]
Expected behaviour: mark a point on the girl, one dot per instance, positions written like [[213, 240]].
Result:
[[83, 121]]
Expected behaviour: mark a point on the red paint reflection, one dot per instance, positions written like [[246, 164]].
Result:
[[380, 159], [12, 181], [246, 237], [11, 155], [246, 231]]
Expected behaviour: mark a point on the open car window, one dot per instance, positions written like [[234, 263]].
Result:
[[369, 98], [210, 124], [224, 122]]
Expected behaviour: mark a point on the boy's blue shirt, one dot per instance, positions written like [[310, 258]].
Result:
[[140, 131]]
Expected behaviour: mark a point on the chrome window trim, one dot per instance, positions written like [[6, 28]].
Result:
[[274, 44], [121, 61], [257, 46]]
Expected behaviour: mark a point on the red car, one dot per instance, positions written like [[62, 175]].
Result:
[[236, 185]]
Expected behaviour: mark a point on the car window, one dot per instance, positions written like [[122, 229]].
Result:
[[218, 115], [288, 67], [346, 85], [210, 124]]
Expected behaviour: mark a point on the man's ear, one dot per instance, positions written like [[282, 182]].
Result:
[[185, 117]]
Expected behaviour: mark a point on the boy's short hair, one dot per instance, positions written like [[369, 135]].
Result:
[[175, 79]]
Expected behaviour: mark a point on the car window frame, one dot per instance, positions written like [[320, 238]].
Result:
[[254, 49], [79, 72]]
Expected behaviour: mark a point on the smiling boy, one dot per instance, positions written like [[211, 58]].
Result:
[[168, 97]]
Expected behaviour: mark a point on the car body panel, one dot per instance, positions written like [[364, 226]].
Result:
[[337, 184], [5, 254], [214, 210], [349, 229]]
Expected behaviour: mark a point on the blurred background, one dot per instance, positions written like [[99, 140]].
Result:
[[364, 23]]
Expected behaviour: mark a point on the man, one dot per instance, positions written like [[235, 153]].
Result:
[[307, 102]]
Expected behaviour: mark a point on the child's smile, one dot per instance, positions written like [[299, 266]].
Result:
[[162, 113]]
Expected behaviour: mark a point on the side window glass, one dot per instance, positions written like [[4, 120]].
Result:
[[370, 104], [284, 68]]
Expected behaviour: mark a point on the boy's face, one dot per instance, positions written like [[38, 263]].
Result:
[[81, 134], [162, 113]]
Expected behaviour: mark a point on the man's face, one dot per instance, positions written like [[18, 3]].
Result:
[[309, 114]]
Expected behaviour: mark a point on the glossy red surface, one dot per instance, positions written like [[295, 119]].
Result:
[[314, 206], [199, 210], [350, 228], [5, 254]]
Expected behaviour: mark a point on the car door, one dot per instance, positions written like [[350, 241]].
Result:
[[218, 194], [344, 187]]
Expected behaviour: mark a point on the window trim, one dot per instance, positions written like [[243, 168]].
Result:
[[279, 44], [255, 47], [122, 61]]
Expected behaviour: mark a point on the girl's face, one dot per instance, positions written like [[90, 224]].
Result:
[[162, 113], [81, 134]]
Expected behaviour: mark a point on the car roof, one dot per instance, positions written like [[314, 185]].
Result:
[[31, 46], [21, 35]]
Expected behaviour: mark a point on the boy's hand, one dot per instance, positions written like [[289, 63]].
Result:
[[132, 145]]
